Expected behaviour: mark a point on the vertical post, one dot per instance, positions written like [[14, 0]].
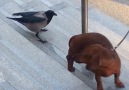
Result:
[[84, 12]]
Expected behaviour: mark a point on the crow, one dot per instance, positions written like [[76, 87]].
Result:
[[35, 20]]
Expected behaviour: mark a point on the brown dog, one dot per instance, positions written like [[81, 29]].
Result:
[[97, 52]]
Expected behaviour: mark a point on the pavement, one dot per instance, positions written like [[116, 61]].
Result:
[[27, 64], [117, 9]]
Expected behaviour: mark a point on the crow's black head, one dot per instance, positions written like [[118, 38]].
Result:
[[50, 13]]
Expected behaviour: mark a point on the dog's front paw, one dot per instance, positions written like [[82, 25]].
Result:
[[71, 69], [99, 88], [120, 84]]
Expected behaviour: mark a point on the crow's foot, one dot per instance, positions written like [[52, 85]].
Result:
[[44, 30], [40, 39]]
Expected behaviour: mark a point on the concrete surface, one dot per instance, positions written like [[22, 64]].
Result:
[[118, 9], [27, 64], [26, 67]]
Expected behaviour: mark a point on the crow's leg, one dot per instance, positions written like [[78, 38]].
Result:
[[40, 39]]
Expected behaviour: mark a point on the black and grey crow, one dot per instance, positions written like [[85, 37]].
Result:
[[35, 21]]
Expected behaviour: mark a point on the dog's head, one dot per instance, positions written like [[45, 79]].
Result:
[[98, 58]]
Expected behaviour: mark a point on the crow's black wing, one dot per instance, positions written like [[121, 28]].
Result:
[[34, 19], [25, 14]]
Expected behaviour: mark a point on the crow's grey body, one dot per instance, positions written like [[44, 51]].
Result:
[[35, 21], [37, 24]]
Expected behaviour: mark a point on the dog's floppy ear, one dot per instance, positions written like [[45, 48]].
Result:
[[94, 62], [96, 59], [100, 61]]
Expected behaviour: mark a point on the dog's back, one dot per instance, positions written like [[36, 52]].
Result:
[[81, 41]]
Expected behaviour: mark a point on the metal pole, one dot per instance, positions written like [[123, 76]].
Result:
[[84, 10]]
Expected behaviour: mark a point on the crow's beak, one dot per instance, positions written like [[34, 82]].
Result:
[[55, 14]]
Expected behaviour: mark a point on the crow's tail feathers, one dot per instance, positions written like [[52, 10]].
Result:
[[17, 14], [16, 19], [20, 20]]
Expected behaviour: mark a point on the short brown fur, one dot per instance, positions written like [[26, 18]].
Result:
[[97, 52]]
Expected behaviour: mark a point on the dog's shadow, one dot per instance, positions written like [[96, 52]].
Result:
[[88, 73]]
